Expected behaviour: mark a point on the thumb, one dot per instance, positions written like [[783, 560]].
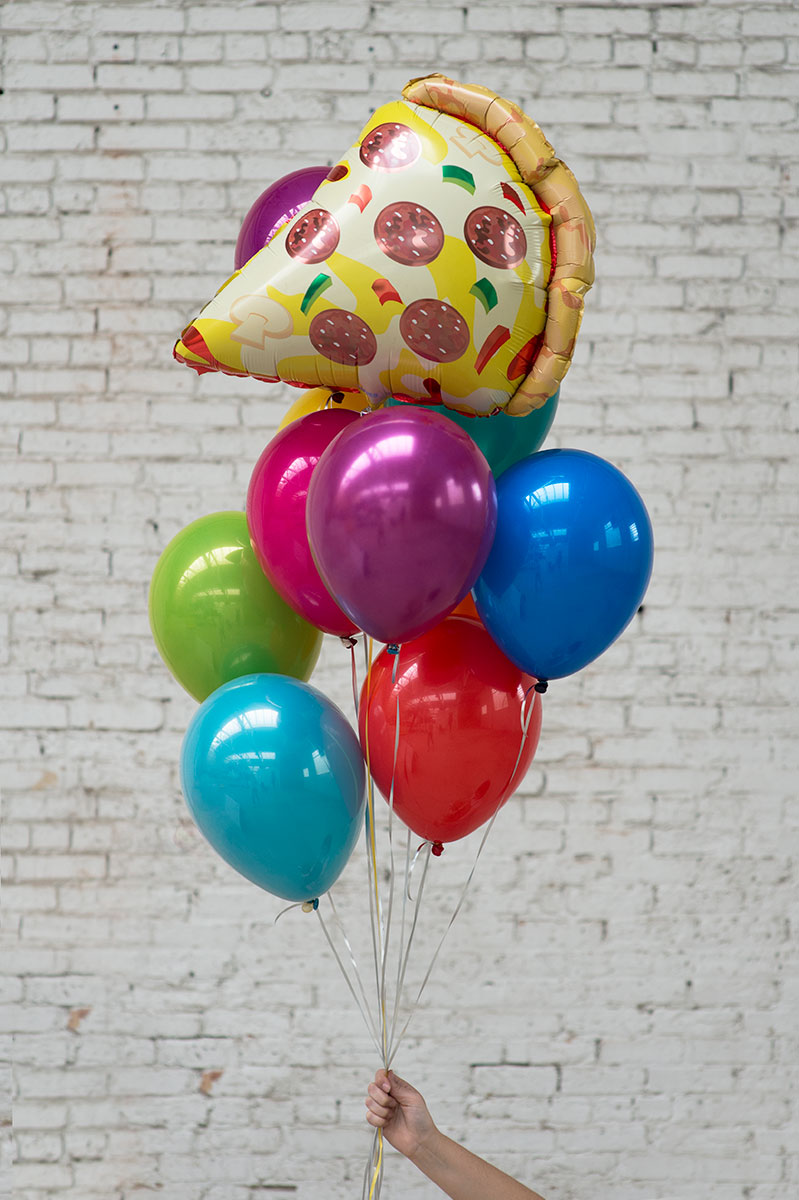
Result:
[[400, 1088]]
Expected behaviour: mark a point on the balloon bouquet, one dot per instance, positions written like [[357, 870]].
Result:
[[427, 290]]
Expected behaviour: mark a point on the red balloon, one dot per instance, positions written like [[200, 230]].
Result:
[[460, 712], [276, 502]]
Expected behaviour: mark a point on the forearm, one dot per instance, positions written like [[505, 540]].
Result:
[[464, 1176]]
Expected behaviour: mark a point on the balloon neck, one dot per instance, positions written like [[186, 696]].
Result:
[[349, 642], [437, 848], [541, 686], [310, 905], [392, 648]]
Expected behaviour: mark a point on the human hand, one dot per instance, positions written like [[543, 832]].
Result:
[[400, 1111]]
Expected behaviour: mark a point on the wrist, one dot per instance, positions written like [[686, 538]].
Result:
[[427, 1149]]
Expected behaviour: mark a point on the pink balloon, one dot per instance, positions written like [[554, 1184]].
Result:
[[402, 510], [276, 502], [282, 200]]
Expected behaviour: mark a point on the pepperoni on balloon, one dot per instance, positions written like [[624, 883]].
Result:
[[495, 237], [342, 337], [434, 330], [409, 234], [314, 236], [390, 147], [340, 171]]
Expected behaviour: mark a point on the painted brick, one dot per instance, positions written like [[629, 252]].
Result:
[[617, 996]]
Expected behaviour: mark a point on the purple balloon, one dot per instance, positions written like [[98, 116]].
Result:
[[281, 200], [401, 515]]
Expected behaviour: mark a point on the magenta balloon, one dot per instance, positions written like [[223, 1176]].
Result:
[[276, 502], [281, 200], [401, 515]]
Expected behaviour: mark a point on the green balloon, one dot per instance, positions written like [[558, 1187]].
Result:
[[214, 614], [503, 440]]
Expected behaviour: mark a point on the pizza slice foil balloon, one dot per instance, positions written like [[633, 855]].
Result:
[[444, 260]]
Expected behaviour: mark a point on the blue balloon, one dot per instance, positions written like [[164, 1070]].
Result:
[[570, 563], [502, 440], [274, 777]]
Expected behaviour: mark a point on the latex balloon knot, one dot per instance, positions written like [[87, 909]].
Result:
[[392, 648], [349, 642], [310, 905], [541, 686], [336, 397], [437, 848]]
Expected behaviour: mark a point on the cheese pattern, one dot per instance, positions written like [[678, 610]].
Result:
[[421, 268]]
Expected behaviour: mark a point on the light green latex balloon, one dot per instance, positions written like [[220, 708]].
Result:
[[214, 614]]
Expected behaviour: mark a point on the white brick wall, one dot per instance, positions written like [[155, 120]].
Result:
[[616, 1010]]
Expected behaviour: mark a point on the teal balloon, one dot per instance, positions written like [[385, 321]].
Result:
[[274, 778], [503, 440]]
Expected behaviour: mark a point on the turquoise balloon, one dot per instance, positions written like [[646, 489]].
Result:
[[274, 778], [503, 440]]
